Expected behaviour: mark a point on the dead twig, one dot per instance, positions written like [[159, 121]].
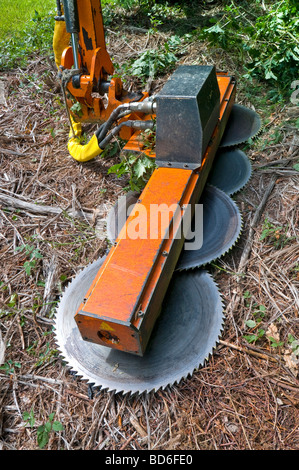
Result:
[[16, 203], [250, 350], [49, 294], [255, 220]]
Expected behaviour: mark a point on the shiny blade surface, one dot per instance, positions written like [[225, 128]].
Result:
[[221, 226], [243, 124], [231, 170], [184, 336]]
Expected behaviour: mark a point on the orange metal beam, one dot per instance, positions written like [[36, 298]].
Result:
[[125, 299]]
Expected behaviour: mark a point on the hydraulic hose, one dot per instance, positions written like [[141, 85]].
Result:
[[140, 125], [81, 153], [146, 106], [96, 145], [84, 153]]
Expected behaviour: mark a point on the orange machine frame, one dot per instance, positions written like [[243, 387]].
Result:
[[125, 298]]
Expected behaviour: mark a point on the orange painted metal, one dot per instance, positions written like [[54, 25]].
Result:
[[124, 301], [123, 287], [92, 38], [97, 67]]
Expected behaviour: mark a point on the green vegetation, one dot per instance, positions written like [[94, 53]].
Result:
[[265, 41], [33, 255], [43, 356], [16, 14], [253, 324], [43, 431], [256, 324], [9, 367], [262, 37], [137, 167], [34, 37], [275, 235]]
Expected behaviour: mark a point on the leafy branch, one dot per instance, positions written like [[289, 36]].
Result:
[[137, 167], [267, 45]]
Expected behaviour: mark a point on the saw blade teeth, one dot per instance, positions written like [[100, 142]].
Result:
[[210, 305], [220, 210], [243, 124]]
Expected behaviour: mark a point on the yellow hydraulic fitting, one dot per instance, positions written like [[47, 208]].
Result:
[[82, 153]]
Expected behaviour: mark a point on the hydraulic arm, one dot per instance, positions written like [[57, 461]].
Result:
[[87, 70]]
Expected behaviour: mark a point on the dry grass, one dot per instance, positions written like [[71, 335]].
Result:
[[247, 395]]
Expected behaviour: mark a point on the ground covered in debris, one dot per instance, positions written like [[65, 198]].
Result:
[[52, 217]]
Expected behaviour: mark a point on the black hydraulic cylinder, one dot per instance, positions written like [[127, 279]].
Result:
[[71, 16]]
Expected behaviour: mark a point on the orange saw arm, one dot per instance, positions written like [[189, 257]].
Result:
[[125, 298]]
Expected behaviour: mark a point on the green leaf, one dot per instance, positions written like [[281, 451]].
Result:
[[28, 265], [250, 338], [29, 417], [296, 166], [36, 254], [215, 29], [254, 338], [139, 169], [48, 426], [250, 323], [77, 109], [119, 169], [275, 343], [57, 426], [262, 308], [13, 300], [269, 74], [261, 333], [42, 437]]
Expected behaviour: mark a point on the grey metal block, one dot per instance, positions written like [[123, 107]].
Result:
[[187, 112]]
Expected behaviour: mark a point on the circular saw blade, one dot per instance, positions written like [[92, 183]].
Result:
[[231, 170], [243, 124], [184, 336], [222, 225]]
